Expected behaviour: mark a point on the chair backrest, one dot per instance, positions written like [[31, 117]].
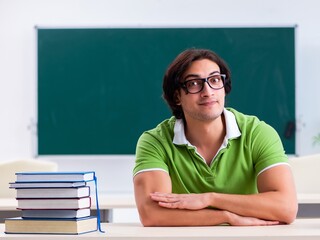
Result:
[[9, 168], [306, 170]]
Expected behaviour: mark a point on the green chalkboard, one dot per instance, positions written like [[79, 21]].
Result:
[[100, 88]]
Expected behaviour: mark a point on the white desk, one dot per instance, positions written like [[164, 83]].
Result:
[[309, 205], [308, 198], [108, 202], [301, 229]]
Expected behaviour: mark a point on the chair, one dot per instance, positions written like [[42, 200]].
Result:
[[306, 173], [9, 168]]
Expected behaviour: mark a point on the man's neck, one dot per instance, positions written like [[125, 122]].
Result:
[[206, 136]]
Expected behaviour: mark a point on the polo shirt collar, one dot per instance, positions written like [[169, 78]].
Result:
[[232, 129]]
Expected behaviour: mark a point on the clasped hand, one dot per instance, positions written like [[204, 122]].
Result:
[[181, 201]]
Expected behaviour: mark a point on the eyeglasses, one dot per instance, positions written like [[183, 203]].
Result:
[[196, 85]]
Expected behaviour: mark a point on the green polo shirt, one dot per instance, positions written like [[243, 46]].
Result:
[[250, 147]]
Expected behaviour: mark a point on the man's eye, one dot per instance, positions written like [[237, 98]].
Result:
[[215, 79], [194, 83]]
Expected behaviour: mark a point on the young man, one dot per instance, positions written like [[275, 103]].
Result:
[[207, 164]]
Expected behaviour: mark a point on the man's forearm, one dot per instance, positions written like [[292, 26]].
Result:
[[268, 205]]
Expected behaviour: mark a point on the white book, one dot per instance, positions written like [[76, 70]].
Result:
[[53, 192]]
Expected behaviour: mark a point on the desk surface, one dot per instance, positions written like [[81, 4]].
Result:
[[301, 229]]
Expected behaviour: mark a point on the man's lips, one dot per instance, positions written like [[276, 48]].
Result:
[[208, 103]]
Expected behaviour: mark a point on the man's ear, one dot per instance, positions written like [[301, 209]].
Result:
[[177, 97]]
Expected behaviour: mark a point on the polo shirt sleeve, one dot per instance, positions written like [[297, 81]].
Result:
[[267, 148], [150, 154]]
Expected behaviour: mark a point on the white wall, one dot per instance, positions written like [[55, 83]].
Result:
[[18, 60]]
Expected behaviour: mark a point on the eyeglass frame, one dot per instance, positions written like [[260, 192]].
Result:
[[204, 80]]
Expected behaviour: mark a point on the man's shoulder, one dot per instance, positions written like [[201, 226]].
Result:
[[250, 124], [244, 119]]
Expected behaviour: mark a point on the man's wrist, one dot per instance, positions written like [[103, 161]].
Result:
[[228, 216], [209, 199]]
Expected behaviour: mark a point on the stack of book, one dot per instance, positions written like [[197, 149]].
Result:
[[53, 203]]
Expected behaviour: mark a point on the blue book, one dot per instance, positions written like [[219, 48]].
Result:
[[55, 176]]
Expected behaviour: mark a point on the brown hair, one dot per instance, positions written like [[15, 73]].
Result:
[[177, 69]]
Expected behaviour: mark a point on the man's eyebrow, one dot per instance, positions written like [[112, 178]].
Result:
[[192, 75], [197, 76]]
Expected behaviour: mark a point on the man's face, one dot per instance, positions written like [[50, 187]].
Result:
[[208, 104]]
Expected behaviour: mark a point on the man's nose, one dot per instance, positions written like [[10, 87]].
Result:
[[207, 90]]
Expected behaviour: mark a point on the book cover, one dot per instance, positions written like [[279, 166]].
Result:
[[55, 213], [54, 176], [53, 203], [76, 192], [51, 226], [46, 184]]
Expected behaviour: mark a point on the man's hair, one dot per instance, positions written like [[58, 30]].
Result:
[[176, 70]]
